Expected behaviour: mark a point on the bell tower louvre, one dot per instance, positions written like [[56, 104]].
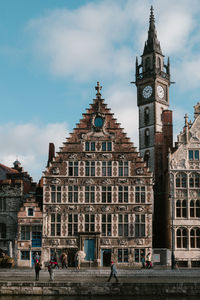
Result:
[[155, 128]]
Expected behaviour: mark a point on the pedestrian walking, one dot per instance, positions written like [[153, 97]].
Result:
[[113, 272], [51, 271], [148, 261], [37, 270], [64, 260]]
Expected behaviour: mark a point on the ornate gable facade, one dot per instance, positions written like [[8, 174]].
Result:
[[97, 194], [185, 193]]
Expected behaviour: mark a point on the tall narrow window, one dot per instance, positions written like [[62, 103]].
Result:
[[72, 224], [181, 209], [147, 64], [106, 225], [106, 146], [73, 194], [55, 224], [89, 146], [123, 194], [139, 225], [106, 168], [55, 194], [193, 154], [2, 204], [90, 168], [122, 255], [195, 209], [147, 157], [123, 225], [89, 223], [89, 194], [181, 180], [195, 238], [73, 168], [147, 137], [139, 253], [140, 195], [181, 238], [106, 194], [25, 232], [123, 168], [146, 115], [194, 180]]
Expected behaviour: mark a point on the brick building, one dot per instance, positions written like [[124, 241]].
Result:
[[97, 194], [185, 193]]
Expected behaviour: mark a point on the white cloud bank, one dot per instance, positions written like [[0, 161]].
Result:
[[29, 143]]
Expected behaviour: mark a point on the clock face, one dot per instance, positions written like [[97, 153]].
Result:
[[98, 122], [160, 91], [147, 91]]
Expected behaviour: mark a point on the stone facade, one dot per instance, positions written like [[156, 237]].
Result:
[[15, 184], [185, 193], [29, 240], [97, 194]]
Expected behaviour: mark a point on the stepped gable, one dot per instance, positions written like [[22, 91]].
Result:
[[87, 131]]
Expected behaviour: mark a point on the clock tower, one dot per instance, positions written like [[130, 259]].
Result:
[[152, 81], [155, 129]]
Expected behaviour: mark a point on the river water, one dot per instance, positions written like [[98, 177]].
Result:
[[99, 298]]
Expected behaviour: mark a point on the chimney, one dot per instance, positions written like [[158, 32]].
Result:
[[51, 153]]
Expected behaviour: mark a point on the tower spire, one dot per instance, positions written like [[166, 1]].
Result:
[[152, 44]]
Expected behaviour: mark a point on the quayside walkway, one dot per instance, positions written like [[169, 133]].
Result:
[[94, 282]]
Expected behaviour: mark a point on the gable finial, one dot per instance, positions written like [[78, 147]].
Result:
[[98, 88]]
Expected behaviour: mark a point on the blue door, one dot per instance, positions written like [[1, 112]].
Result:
[[89, 248]]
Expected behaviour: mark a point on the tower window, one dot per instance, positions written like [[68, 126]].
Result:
[[147, 158], [146, 137], [146, 115], [147, 64]]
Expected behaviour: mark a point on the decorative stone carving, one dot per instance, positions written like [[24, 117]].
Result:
[[122, 242], [89, 208], [107, 155], [107, 181], [122, 180], [140, 242], [122, 208], [138, 208], [55, 171], [106, 242], [71, 242], [72, 180], [90, 155], [89, 181], [55, 181], [106, 208], [73, 156], [140, 171], [122, 156]]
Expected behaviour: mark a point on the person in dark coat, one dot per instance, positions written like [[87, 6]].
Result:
[[113, 272], [37, 270]]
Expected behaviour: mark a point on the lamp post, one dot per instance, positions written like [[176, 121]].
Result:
[[172, 225]]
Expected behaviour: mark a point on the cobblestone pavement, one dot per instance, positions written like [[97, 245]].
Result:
[[101, 275]]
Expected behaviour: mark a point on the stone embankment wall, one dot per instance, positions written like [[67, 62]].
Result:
[[128, 289]]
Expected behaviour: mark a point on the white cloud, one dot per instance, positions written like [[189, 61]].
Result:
[[29, 143]]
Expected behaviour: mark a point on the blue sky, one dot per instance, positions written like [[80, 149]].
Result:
[[53, 52]]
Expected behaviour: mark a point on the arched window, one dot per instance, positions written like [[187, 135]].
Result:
[[147, 158], [147, 64], [195, 209], [181, 238], [2, 231], [181, 209], [181, 180], [146, 137], [195, 238], [194, 180], [146, 115]]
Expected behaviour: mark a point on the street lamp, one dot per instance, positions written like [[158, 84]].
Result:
[[172, 226]]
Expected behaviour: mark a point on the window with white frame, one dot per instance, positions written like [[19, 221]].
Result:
[[123, 168], [55, 194], [90, 168], [89, 194], [2, 204], [181, 180], [55, 224], [195, 209], [194, 180], [123, 225], [89, 146], [193, 154], [122, 255], [106, 225], [182, 238], [106, 194], [140, 195], [123, 194], [25, 232], [106, 168], [139, 254], [72, 224], [139, 225], [73, 194], [89, 222], [73, 168], [106, 146], [181, 209], [195, 238]]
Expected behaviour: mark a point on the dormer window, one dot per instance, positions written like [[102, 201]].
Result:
[[30, 212]]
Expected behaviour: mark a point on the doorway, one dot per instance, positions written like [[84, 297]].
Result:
[[89, 249], [105, 257]]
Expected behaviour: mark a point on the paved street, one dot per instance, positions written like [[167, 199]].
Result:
[[101, 275]]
